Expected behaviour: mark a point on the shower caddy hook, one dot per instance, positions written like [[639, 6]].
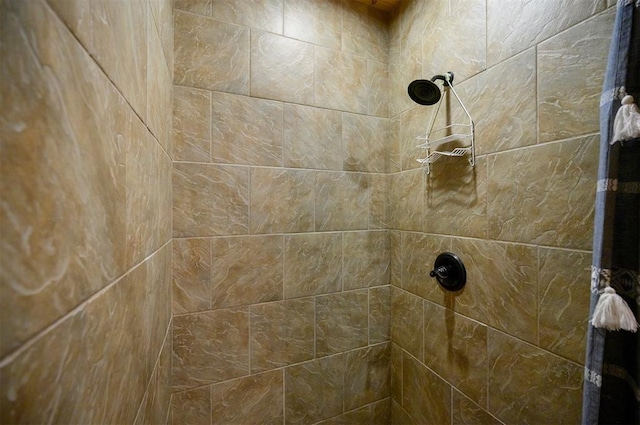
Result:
[[449, 133]]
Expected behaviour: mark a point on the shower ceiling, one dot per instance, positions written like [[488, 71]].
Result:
[[381, 4]]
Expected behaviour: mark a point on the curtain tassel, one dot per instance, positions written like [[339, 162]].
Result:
[[613, 313]]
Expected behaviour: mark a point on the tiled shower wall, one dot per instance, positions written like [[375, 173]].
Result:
[[281, 295], [510, 347], [85, 211]]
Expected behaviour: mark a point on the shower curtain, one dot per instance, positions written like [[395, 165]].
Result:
[[611, 394]]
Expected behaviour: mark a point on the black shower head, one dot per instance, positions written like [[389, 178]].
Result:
[[427, 92]]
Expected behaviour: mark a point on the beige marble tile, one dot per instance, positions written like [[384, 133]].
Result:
[[325, 376], [281, 200], [544, 194], [191, 124], [314, 21], [416, 17], [364, 141], [163, 185], [511, 122], [378, 201], [245, 130], [261, 14], [119, 45], [76, 14], [365, 32], [256, 399], [159, 88], [312, 138], [162, 11], [413, 123], [466, 412], [37, 391], [569, 102], [143, 202], [157, 398], [341, 322], [340, 81], [381, 412], [405, 65], [366, 259], [357, 416], [395, 247], [379, 314], [393, 144], [246, 270], [210, 54], [210, 200], [379, 86], [395, 363], [457, 41], [282, 333], [407, 199], [192, 407], [399, 416], [456, 198], [281, 68], [367, 375], [501, 286], [341, 201], [419, 251], [200, 7], [425, 396], [515, 26], [210, 347], [563, 301], [407, 326], [191, 289], [456, 349], [312, 264], [65, 126], [529, 385]]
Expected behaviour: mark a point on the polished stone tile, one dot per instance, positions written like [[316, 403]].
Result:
[[354, 417], [256, 399], [544, 194], [456, 349], [381, 412], [393, 144], [246, 270], [379, 86], [341, 201], [563, 301], [407, 326], [259, 14], [281, 68], [425, 396], [412, 124], [162, 11], [282, 333], [119, 45], [399, 416], [378, 201], [210, 200], [395, 363], [200, 7], [191, 124], [501, 288], [569, 104], [342, 322], [456, 198], [314, 21], [365, 32], [157, 399], [245, 130], [281, 200], [312, 264], [326, 377], [210, 347], [312, 138], [364, 141], [340, 81], [76, 14], [367, 375], [65, 126], [366, 259], [405, 65], [407, 200], [159, 88], [466, 412], [191, 289], [192, 407], [419, 252], [529, 385], [395, 247], [515, 26], [210, 54], [511, 122], [379, 314]]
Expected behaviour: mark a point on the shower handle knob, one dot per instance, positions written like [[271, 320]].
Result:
[[449, 271]]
